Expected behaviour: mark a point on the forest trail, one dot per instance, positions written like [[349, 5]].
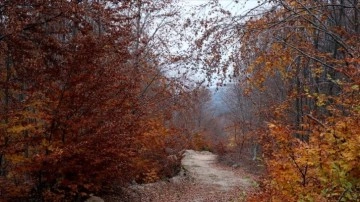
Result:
[[201, 166], [201, 180]]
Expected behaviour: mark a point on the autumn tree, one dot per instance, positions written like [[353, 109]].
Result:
[[312, 49], [247, 111], [194, 117], [155, 28], [74, 113], [66, 90]]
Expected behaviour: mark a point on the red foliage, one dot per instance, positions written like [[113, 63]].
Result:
[[71, 116]]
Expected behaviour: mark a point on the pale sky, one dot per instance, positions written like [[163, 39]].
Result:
[[236, 8]]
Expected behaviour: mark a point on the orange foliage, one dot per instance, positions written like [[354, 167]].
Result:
[[311, 148]]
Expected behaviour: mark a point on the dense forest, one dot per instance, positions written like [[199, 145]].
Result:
[[100, 94]]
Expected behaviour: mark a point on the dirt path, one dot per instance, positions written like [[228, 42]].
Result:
[[202, 180], [201, 167]]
